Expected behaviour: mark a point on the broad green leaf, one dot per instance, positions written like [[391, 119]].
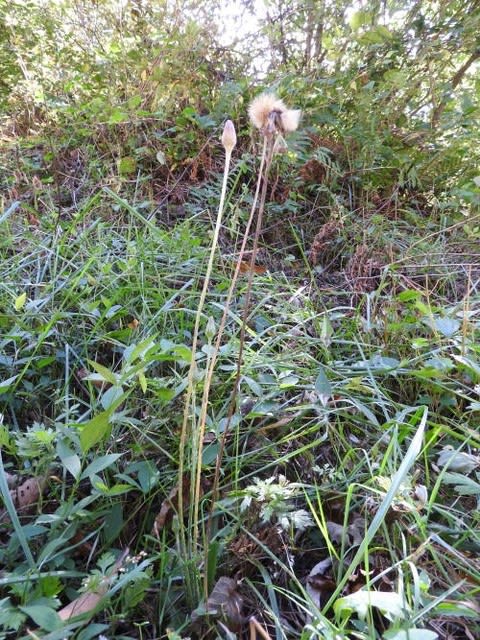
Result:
[[105, 373], [111, 395], [395, 77], [359, 18], [98, 428], [391, 604], [134, 102], [377, 35], [135, 351], [118, 116], [95, 430], [464, 485], [116, 490], [69, 459], [408, 295], [182, 352], [20, 301], [458, 461], [288, 381], [410, 634], [143, 381], [377, 363], [457, 609], [323, 386], [99, 464], [446, 326], [6, 384], [326, 331], [43, 616]]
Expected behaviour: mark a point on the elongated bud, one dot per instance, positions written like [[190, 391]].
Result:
[[210, 329], [229, 137]]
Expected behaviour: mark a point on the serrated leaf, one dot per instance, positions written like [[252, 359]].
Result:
[[20, 301]]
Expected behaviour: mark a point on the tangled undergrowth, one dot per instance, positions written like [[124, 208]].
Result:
[[209, 432], [349, 486]]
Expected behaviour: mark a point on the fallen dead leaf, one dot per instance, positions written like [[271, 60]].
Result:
[[319, 586], [88, 602], [245, 267], [224, 603], [25, 495], [170, 507]]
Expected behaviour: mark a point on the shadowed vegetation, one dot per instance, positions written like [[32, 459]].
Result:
[[201, 439]]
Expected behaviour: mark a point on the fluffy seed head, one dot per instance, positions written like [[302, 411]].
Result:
[[267, 111], [262, 106], [229, 137], [290, 119]]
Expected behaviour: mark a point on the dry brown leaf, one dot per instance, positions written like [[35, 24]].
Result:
[[319, 586], [86, 603], [25, 495], [256, 268], [11, 478], [224, 603], [28, 492], [170, 507], [89, 601]]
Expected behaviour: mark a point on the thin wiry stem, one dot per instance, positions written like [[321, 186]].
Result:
[[185, 431], [261, 190]]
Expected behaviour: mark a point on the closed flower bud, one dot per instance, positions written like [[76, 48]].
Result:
[[229, 137], [210, 329]]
